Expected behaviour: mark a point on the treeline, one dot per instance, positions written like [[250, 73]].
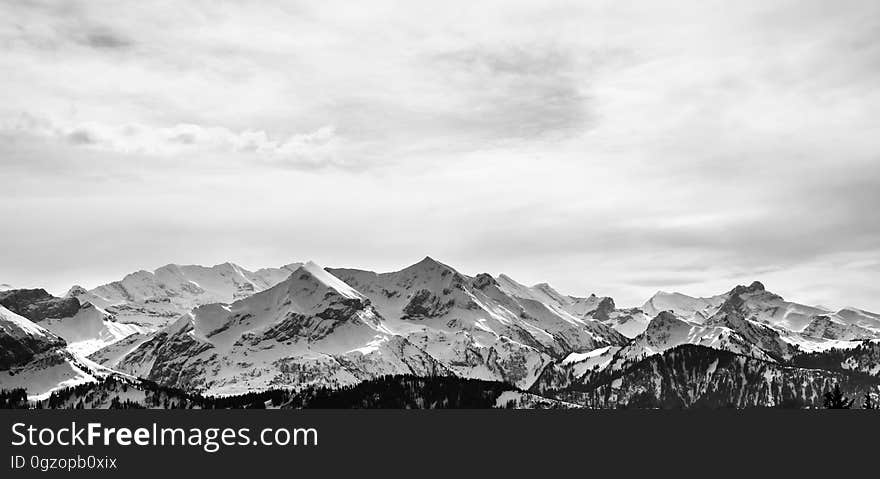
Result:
[[865, 357], [13, 399], [390, 392], [117, 393], [691, 376], [404, 392]]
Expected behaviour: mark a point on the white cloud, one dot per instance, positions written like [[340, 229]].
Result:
[[600, 145], [314, 149]]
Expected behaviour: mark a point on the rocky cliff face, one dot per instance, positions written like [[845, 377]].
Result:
[[37, 305], [21, 340], [824, 327]]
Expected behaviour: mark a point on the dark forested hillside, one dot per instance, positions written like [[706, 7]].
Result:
[[402, 391], [13, 399], [687, 376], [691, 376], [124, 393], [864, 358], [406, 392]]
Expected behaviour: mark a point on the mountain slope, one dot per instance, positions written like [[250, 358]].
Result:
[[311, 329], [154, 299], [432, 295], [33, 358], [319, 329], [627, 322], [757, 304], [479, 326], [21, 340], [90, 329], [686, 307]]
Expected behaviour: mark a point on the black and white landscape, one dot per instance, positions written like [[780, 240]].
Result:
[[302, 333], [698, 180]]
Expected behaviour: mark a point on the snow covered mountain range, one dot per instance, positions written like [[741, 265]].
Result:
[[225, 330]]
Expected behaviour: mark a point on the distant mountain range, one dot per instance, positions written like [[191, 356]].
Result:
[[227, 331]]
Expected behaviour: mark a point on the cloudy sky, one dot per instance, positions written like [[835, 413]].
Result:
[[610, 147]]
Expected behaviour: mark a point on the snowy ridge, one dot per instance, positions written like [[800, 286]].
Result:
[[16, 326], [686, 307], [225, 330], [153, 299], [311, 329], [90, 329], [340, 326]]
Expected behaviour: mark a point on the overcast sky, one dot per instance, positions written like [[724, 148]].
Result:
[[610, 147]]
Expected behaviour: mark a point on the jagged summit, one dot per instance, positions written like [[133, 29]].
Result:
[[428, 264], [755, 287], [688, 307], [663, 320], [74, 291], [227, 330], [429, 260], [315, 272], [155, 299]]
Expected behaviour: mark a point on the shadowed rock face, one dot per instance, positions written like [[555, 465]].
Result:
[[19, 344], [18, 351], [37, 305], [484, 280], [604, 309], [425, 304]]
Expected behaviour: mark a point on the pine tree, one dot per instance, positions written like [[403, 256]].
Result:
[[835, 399], [868, 402]]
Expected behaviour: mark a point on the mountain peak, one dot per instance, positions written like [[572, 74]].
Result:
[[428, 264], [662, 323], [75, 290], [604, 309], [755, 287], [312, 270]]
